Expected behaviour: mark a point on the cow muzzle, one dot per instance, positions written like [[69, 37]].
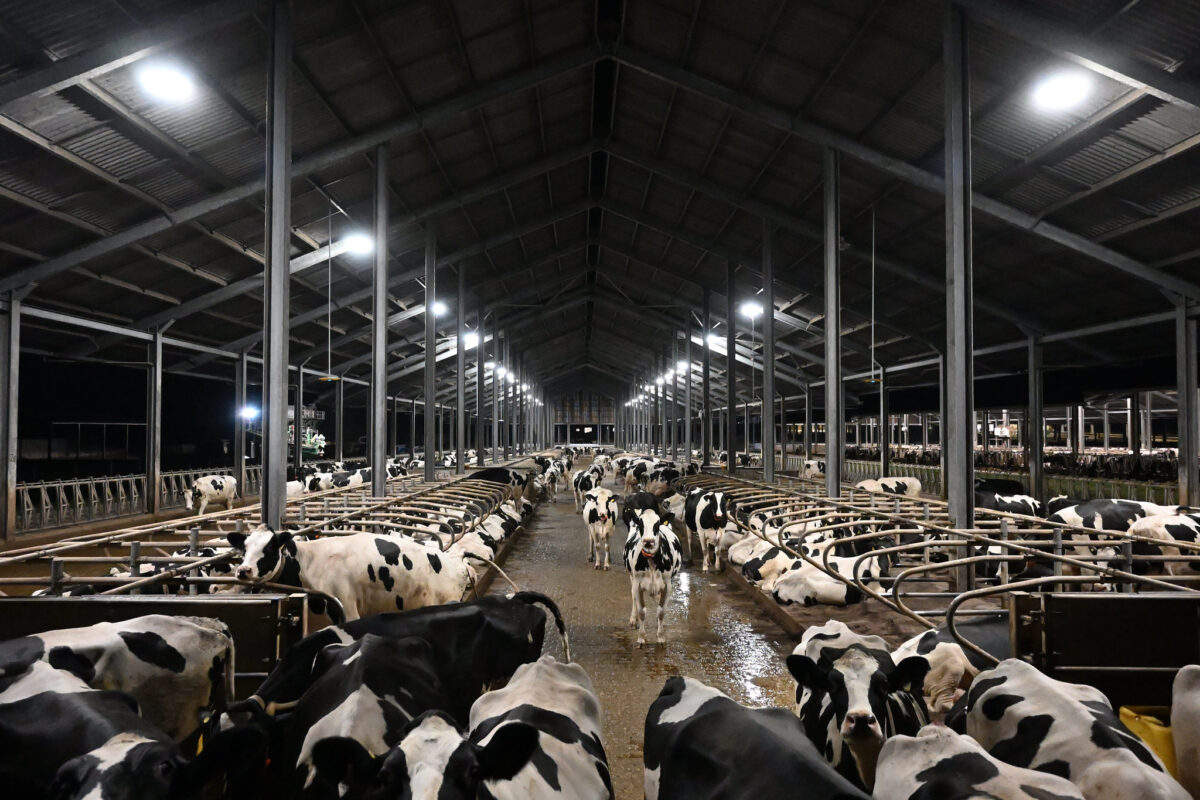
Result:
[[245, 574], [861, 725]]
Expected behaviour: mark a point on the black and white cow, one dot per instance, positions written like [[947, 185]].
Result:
[[364, 572], [600, 514], [211, 489], [358, 477], [517, 482], [951, 666], [559, 701], [653, 559], [939, 763], [1170, 530], [175, 668], [367, 690], [661, 481], [478, 644], [905, 487], [809, 585], [851, 696], [1011, 504], [813, 469], [94, 745], [1028, 719], [1185, 727], [582, 482], [705, 515], [702, 745], [1107, 516], [999, 486]]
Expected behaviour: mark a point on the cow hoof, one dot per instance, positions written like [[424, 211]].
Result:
[[640, 642], [607, 567]]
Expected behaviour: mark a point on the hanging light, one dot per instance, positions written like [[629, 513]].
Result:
[[682, 367], [166, 82], [329, 377], [713, 340], [1062, 91], [249, 412], [358, 243], [439, 308], [470, 339]]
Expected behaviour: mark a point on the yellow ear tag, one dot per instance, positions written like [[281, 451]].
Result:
[[200, 745]]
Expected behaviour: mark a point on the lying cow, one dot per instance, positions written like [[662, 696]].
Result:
[[951, 666], [176, 668], [94, 745], [705, 515], [479, 643], [560, 703], [1030, 720], [653, 559], [600, 514], [851, 696], [938, 762], [701, 745], [366, 573], [211, 489], [813, 469], [905, 487], [1011, 504], [810, 585]]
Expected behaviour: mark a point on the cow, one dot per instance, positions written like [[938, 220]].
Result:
[[319, 482], [600, 514], [582, 482], [365, 573], [661, 481], [851, 696], [559, 701], [1058, 503], [952, 667], [653, 559], [175, 667], [1108, 516], [637, 501], [550, 480], [905, 487], [515, 481], [1028, 719], [1011, 504], [368, 690], [211, 489], [295, 489], [1185, 727], [1169, 529], [706, 514], [481, 643], [94, 745], [999, 486], [702, 745], [358, 477], [809, 585], [940, 763], [432, 761], [813, 469]]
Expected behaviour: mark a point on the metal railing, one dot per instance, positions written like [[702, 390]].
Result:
[[54, 504]]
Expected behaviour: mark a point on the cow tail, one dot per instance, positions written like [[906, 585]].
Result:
[[230, 669], [495, 566], [552, 607]]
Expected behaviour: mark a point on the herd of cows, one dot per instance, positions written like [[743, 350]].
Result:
[[416, 692]]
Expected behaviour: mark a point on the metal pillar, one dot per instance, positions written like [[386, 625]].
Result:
[[808, 423], [520, 391], [377, 437], [339, 419], [706, 381], [276, 269], [460, 374], [430, 349], [495, 388], [835, 427], [239, 422], [731, 439], [393, 425], [885, 427], [1080, 430], [154, 423], [1035, 423], [439, 415], [10, 364], [297, 426], [1187, 380], [674, 370], [960, 412], [768, 397], [687, 392], [480, 361], [1133, 425]]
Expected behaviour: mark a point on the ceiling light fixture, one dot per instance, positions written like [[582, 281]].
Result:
[[752, 309], [1062, 91], [166, 82], [358, 243]]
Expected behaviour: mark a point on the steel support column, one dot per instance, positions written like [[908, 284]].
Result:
[[1035, 422], [687, 401], [277, 270], [10, 363], [480, 364], [1188, 406], [960, 411], [460, 374], [731, 370], [1133, 425], [674, 404], [153, 459], [495, 387], [835, 428], [377, 436], [808, 423], [768, 397], [430, 350], [706, 381], [412, 429], [240, 368], [298, 422], [339, 420], [885, 427]]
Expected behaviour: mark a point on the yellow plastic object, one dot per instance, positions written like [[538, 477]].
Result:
[[1146, 723]]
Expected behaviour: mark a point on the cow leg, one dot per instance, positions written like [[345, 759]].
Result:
[[716, 546], [592, 546], [641, 622], [203, 505], [633, 588], [662, 608], [604, 541], [704, 549]]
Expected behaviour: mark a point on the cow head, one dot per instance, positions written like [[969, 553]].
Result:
[[647, 529], [132, 767], [433, 761], [265, 552], [190, 499]]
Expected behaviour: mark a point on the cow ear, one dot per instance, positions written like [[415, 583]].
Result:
[[340, 759], [806, 672], [509, 749], [909, 674], [236, 540], [286, 541]]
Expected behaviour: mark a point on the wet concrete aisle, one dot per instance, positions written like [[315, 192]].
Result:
[[713, 633]]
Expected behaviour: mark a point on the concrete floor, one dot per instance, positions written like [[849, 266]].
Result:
[[713, 633]]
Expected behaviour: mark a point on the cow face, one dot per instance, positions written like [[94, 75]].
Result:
[[265, 553], [433, 761], [648, 527], [190, 499]]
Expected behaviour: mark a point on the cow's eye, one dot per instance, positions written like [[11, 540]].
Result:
[[165, 769]]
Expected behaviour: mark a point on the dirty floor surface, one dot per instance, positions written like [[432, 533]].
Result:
[[713, 633]]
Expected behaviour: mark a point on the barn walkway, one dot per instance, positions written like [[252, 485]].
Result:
[[713, 633]]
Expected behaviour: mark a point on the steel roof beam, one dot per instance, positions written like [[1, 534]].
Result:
[[321, 159], [811, 132]]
